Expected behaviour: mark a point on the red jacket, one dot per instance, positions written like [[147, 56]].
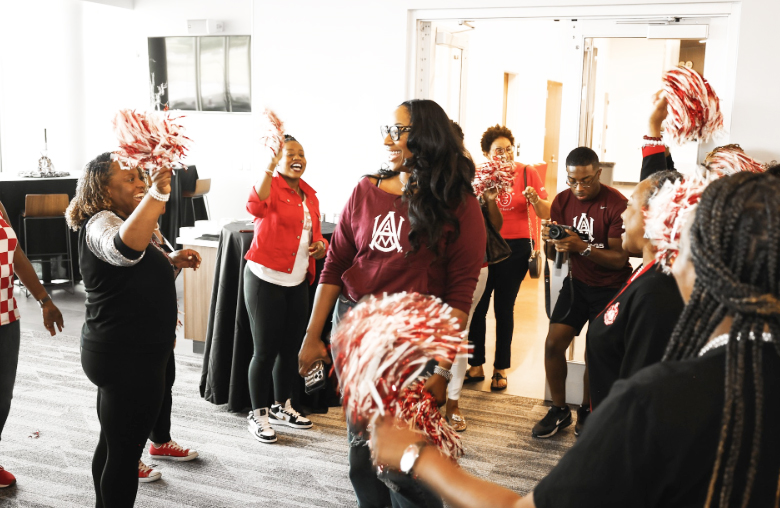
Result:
[[279, 224]]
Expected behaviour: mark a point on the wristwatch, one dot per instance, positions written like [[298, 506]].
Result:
[[446, 374], [410, 456], [586, 252], [44, 300]]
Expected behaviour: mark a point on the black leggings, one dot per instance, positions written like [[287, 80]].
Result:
[[130, 394], [504, 279], [161, 432], [278, 316]]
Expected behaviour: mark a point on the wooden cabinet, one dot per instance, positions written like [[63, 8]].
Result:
[[197, 292]]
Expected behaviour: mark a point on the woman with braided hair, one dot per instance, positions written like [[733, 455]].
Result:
[[671, 435]]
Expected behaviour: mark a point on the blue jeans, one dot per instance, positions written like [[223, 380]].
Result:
[[390, 488], [9, 358]]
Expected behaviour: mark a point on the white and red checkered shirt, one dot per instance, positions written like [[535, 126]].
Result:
[[8, 311]]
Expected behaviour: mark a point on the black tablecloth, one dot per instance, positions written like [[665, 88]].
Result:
[[12, 195], [177, 209], [229, 347]]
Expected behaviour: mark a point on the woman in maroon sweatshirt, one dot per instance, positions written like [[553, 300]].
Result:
[[415, 226]]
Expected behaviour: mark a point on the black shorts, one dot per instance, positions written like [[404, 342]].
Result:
[[588, 302]]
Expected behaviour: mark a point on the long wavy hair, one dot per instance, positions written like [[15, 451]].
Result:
[[440, 175], [735, 249], [91, 196]]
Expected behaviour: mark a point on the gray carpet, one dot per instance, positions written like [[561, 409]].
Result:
[[304, 468]]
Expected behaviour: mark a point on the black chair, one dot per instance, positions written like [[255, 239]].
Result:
[[46, 235]]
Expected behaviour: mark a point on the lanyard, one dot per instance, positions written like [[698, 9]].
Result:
[[637, 273]]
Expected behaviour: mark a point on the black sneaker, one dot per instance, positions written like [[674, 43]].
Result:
[[286, 415], [557, 418], [582, 415]]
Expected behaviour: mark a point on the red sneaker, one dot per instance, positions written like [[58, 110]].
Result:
[[146, 474], [6, 478], [172, 451]]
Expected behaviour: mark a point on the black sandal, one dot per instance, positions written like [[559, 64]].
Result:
[[472, 379], [494, 383]]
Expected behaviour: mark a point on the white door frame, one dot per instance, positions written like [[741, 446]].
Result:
[[601, 21]]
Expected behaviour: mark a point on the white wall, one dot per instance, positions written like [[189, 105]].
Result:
[[530, 49], [335, 72], [221, 147], [755, 122], [41, 84]]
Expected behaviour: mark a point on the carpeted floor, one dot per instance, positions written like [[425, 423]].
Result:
[[54, 398]]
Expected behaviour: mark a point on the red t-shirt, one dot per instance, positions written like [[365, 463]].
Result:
[[514, 207], [368, 251], [601, 219]]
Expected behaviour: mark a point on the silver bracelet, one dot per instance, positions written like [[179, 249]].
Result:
[[443, 373], [159, 196]]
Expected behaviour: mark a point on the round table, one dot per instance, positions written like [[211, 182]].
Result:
[[229, 347]]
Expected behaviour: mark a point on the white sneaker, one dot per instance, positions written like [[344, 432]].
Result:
[[260, 427], [146, 474], [286, 415]]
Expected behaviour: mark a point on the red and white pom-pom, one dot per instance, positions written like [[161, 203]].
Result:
[[380, 349], [149, 140], [693, 106], [418, 407], [730, 159], [671, 207], [497, 174], [273, 132], [667, 212]]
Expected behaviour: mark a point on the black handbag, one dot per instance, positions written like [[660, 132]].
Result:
[[535, 260], [497, 248]]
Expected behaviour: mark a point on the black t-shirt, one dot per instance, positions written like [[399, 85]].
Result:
[[653, 441], [131, 296], [632, 331]]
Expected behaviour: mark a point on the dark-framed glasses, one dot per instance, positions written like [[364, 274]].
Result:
[[585, 184], [394, 131], [504, 151]]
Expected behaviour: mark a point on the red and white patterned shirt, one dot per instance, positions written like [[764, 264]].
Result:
[[8, 311]]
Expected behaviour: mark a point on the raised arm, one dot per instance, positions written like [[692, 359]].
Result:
[[136, 231]]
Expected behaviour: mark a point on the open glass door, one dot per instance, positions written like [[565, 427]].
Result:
[[620, 67]]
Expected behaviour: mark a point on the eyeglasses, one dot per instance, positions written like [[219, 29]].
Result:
[[394, 131], [501, 151], [585, 185]]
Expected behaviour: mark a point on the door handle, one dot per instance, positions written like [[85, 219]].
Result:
[[552, 159]]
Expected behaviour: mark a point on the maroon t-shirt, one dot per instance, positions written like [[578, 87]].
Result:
[[601, 219], [368, 251]]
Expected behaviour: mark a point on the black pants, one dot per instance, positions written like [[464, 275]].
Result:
[[161, 432], [504, 280], [278, 317], [130, 394]]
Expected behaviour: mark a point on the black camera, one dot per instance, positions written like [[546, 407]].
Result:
[[558, 232]]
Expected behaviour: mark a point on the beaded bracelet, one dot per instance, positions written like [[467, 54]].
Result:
[[159, 196]]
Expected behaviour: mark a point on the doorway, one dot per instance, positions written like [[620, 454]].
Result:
[[535, 75]]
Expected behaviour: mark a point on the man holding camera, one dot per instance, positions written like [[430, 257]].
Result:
[[590, 214]]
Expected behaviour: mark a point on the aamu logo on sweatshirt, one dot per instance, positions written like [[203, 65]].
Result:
[[584, 224], [387, 236]]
